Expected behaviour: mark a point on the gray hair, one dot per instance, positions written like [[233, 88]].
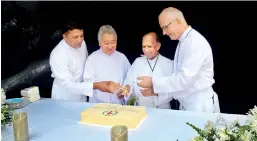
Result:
[[174, 13], [106, 29]]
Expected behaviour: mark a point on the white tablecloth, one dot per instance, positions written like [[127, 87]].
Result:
[[56, 120]]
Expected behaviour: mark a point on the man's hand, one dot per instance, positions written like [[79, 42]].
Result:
[[124, 91], [114, 87], [147, 92], [120, 96], [107, 86], [145, 82]]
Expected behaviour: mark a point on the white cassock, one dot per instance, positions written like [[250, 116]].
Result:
[[160, 66], [67, 66], [102, 67], [192, 80]]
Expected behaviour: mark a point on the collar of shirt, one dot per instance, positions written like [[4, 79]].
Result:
[[153, 60], [183, 36]]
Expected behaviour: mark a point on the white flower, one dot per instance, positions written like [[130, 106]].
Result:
[[2, 116], [227, 132], [233, 124], [253, 119], [215, 137], [3, 96], [222, 135], [253, 113], [254, 126], [220, 122], [208, 127], [247, 136]]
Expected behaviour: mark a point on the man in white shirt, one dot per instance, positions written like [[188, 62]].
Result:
[[106, 64], [151, 64], [67, 62], [192, 79]]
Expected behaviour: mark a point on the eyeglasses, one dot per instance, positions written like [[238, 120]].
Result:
[[166, 26]]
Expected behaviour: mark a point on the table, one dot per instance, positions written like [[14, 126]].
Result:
[[57, 120]]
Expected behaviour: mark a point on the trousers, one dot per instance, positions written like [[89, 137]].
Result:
[[210, 105]]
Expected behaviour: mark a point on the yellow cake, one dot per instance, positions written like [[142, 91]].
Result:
[[113, 114]]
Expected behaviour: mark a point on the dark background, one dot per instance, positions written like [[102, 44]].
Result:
[[30, 30]]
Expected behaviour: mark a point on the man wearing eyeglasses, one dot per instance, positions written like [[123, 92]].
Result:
[[192, 79]]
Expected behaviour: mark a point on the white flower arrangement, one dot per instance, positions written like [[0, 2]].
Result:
[[6, 112], [220, 131], [3, 96]]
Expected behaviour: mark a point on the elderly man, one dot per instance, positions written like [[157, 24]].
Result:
[[67, 62], [192, 80], [151, 64], [106, 64]]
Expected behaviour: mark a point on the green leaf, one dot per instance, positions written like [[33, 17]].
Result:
[[198, 130], [131, 101], [255, 138], [243, 128]]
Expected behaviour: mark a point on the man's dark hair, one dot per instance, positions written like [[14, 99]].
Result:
[[71, 26]]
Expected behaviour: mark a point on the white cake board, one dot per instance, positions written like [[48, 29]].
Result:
[[130, 129]]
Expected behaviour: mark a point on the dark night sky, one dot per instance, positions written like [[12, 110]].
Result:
[[230, 28]]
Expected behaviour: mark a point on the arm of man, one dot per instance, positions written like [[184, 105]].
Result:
[[129, 82], [167, 71], [184, 79], [89, 76], [60, 70], [105, 86]]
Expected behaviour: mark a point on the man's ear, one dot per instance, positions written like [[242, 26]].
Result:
[[64, 36], [158, 46]]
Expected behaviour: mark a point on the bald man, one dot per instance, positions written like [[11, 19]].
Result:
[[192, 80], [151, 64]]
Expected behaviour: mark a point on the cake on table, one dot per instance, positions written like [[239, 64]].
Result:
[[104, 114]]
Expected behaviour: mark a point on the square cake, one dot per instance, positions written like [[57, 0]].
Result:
[[113, 114]]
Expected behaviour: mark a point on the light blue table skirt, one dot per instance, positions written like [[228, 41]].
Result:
[[55, 120]]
